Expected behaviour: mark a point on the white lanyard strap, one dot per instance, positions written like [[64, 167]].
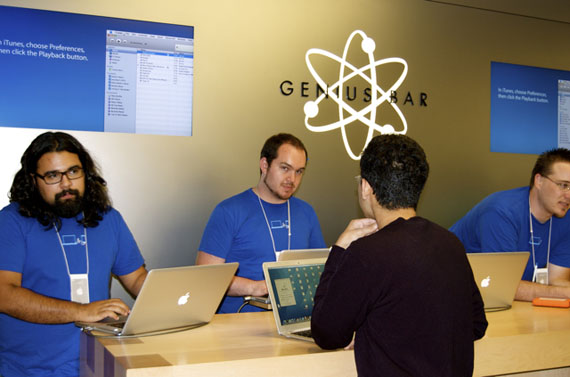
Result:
[[269, 226], [65, 255], [535, 266]]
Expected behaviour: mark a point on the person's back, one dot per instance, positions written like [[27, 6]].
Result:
[[419, 304], [400, 282]]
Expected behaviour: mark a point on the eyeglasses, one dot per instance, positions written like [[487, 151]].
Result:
[[55, 177], [561, 185]]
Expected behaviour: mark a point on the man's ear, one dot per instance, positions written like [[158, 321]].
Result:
[[537, 180], [263, 165], [365, 188]]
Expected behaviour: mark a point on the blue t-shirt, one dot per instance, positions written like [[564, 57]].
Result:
[[26, 247], [500, 222], [237, 232]]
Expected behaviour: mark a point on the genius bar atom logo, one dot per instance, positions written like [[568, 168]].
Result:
[[377, 95]]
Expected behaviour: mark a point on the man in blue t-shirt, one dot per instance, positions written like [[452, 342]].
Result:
[[528, 219], [60, 241], [253, 226]]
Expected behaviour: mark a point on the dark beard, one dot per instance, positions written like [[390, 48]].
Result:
[[68, 208], [273, 191]]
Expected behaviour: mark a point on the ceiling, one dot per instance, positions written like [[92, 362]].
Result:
[[550, 10]]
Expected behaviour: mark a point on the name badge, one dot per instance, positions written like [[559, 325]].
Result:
[[79, 284], [540, 275]]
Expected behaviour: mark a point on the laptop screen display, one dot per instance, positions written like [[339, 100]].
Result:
[[295, 288]]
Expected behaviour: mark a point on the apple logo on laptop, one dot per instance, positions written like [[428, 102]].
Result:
[[183, 299], [485, 282]]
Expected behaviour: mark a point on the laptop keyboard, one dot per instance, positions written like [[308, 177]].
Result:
[[305, 333], [120, 323]]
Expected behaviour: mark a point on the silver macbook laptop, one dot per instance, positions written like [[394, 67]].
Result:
[[497, 276], [303, 254], [172, 298], [292, 285], [264, 302]]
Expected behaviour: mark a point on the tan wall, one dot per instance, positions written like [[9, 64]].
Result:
[[166, 186]]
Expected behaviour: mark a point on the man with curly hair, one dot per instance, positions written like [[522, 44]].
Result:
[[60, 240], [401, 282]]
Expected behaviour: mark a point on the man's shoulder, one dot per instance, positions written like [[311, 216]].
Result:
[[10, 208], [11, 211], [512, 194], [398, 233], [301, 204], [11, 220], [111, 212], [504, 203], [111, 216], [409, 237], [509, 203], [421, 226], [243, 199], [429, 225], [238, 198]]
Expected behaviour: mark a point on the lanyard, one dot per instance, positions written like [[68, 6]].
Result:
[[535, 266], [269, 227], [65, 255]]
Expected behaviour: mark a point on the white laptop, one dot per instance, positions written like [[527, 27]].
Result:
[[498, 275], [264, 302], [292, 286], [172, 298], [303, 254]]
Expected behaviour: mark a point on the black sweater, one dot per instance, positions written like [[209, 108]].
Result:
[[409, 294]]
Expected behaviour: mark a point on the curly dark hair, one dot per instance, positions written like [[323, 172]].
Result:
[[95, 201], [396, 168], [544, 162]]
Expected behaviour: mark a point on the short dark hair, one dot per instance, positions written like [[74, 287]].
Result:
[[24, 191], [544, 162], [396, 168], [269, 150]]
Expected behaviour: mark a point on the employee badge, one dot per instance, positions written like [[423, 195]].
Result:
[[540, 275], [79, 284]]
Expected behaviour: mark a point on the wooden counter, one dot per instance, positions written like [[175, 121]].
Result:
[[525, 338], [522, 339]]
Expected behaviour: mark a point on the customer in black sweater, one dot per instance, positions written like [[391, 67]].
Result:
[[401, 282]]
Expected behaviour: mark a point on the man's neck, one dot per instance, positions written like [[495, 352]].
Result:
[[385, 216], [265, 194], [537, 208]]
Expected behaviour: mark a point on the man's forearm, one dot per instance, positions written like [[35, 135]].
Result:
[[24, 304], [527, 290], [29, 306], [247, 287]]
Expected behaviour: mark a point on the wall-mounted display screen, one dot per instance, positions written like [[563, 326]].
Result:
[[79, 72], [530, 108]]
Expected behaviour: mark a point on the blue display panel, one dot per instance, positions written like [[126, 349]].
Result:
[[295, 288], [530, 108], [79, 72]]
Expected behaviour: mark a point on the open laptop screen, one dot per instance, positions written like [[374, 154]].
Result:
[[498, 275], [294, 289]]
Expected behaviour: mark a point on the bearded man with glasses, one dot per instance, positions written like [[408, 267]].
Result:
[[60, 240], [530, 219]]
